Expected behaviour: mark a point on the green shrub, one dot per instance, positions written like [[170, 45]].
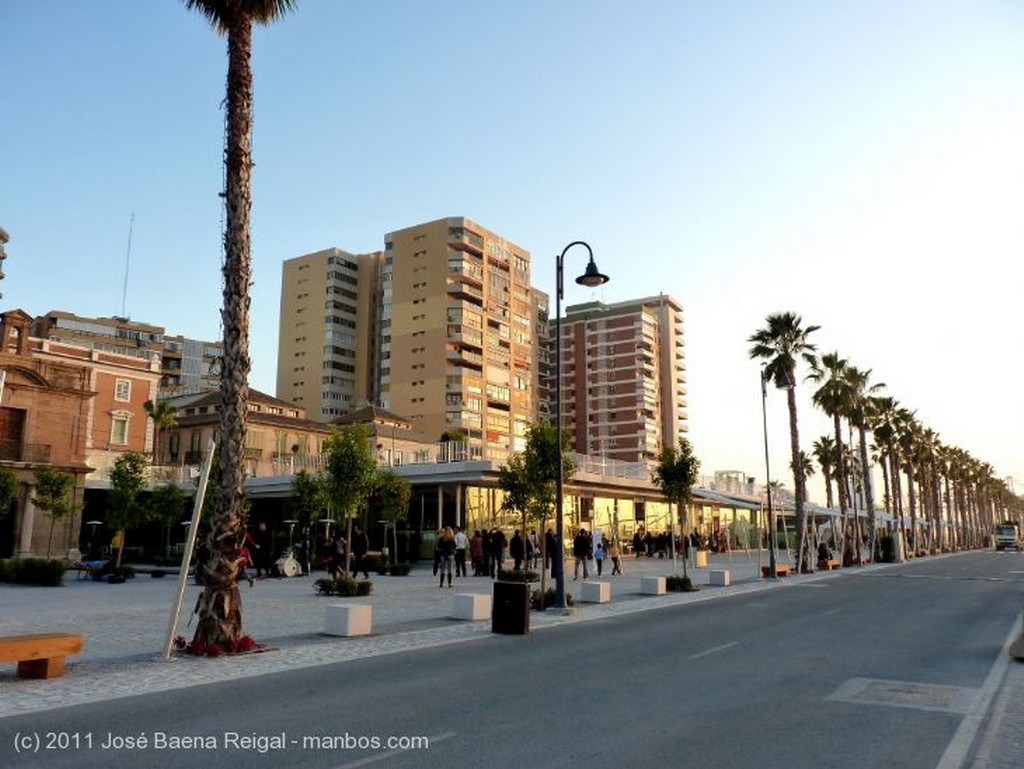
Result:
[[33, 571], [399, 569], [523, 575], [549, 599], [677, 583], [346, 587]]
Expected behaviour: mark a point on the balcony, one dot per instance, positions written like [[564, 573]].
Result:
[[465, 290], [15, 451]]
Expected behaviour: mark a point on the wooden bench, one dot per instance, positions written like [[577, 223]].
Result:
[[781, 570], [828, 565], [40, 655]]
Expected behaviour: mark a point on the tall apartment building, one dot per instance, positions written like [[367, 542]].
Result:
[[624, 377], [456, 329], [186, 365], [327, 333]]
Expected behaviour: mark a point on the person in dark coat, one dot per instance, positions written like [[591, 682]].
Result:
[[446, 555], [517, 550], [476, 551], [550, 548], [360, 546], [496, 549], [581, 553]]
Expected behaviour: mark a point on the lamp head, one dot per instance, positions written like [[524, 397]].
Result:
[[592, 277]]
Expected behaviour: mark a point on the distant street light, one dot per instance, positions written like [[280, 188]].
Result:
[[591, 278]]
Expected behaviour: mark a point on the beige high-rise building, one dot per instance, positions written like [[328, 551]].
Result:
[[457, 329], [326, 336], [624, 377]]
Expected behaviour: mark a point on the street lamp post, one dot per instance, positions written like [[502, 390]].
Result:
[[591, 278], [767, 469]]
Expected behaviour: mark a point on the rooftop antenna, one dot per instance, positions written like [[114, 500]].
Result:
[[127, 262]]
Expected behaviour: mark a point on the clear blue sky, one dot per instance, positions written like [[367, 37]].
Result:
[[859, 163]]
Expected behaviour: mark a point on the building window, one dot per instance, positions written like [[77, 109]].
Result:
[[123, 390], [119, 430]]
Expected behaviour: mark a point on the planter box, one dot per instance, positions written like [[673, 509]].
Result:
[[595, 592], [719, 577], [652, 585], [471, 606], [348, 619]]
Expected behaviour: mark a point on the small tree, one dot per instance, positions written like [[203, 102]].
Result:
[[390, 498], [350, 468], [127, 479], [528, 479], [166, 504], [309, 496], [675, 474], [53, 489]]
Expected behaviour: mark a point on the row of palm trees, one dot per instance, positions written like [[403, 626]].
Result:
[[925, 480]]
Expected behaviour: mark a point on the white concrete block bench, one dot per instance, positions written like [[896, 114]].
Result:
[[471, 606], [652, 585], [348, 619], [719, 577], [595, 592]]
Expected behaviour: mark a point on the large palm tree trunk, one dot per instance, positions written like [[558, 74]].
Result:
[[799, 485], [869, 492], [220, 611], [842, 489]]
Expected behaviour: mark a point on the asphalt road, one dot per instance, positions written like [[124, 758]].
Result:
[[872, 670]]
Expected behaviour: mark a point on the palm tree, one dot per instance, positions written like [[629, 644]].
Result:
[[780, 344], [164, 415], [833, 396], [907, 431], [806, 466], [219, 609], [824, 450], [860, 414]]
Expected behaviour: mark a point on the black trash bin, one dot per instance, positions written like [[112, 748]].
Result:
[[510, 608]]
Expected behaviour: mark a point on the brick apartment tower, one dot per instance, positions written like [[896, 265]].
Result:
[[327, 331], [624, 377]]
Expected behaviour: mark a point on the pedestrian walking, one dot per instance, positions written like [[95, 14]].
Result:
[[613, 553], [476, 553], [461, 545], [446, 555], [360, 546], [581, 553], [599, 557], [496, 550], [517, 550]]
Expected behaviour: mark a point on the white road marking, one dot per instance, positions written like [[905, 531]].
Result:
[[956, 752], [723, 647]]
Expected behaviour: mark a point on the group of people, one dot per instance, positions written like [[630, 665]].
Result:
[[660, 545], [336, 554], [587, 548], [486, 551], [255, 552]]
